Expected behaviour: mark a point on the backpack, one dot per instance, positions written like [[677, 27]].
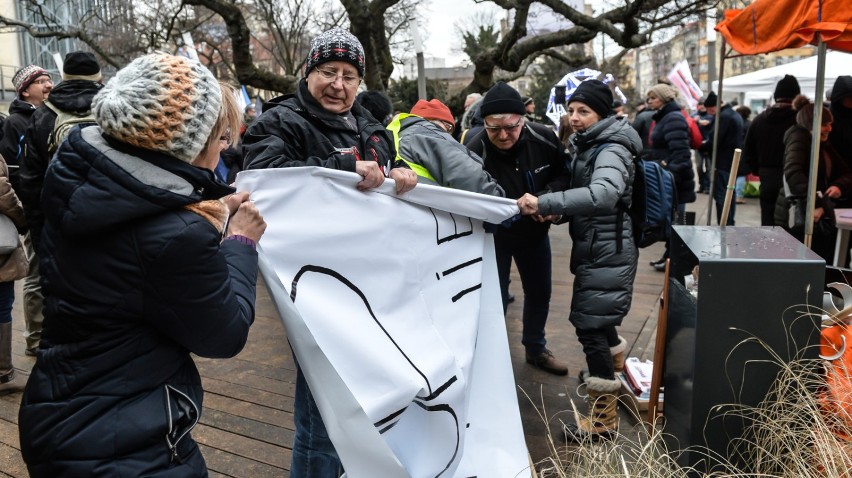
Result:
[[64, 122], [653, 205]]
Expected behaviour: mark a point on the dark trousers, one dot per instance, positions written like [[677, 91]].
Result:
[[532, 258], [313, 455], [596, 344], [771, 184], [703, 167], [720, 188]]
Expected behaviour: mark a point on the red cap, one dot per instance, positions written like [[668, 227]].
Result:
[[433, 110]]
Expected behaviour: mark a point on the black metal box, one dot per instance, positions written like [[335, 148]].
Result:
[[753, 283]]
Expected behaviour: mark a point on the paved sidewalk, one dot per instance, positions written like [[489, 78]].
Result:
[[247, 424]]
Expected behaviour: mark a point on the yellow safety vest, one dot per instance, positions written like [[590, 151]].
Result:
[[394, 128]]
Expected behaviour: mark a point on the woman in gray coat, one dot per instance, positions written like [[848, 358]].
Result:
[[604, 255]]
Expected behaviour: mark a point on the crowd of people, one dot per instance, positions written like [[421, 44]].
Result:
[[138, 252]]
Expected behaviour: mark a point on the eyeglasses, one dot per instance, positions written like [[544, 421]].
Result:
[[41, 81], [497, 129], [332, 76], [448, 127]]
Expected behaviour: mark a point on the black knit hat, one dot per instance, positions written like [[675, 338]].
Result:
[[335, 45], [596, 95], [502, 98], [786, 88], [81, 65], [711, 100]]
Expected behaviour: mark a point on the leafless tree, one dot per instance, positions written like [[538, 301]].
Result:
[[629, 25], [262, 43]]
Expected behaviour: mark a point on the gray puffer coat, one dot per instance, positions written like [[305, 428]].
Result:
[[600, 186]]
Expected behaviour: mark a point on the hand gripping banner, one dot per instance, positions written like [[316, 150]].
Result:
[[392, 308]]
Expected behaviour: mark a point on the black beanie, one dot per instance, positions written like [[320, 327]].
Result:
[[711, 100], [786, 88], [502, 98], [81, 65], [596, 95]]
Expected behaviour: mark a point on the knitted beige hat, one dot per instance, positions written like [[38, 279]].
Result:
[[160, 102], [664, 92]]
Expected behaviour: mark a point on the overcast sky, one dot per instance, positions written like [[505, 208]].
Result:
[[442, 16]]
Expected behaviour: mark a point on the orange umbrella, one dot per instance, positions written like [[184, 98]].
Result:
[[770, 25]]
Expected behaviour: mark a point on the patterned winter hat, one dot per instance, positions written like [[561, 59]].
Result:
[[335, 45], [160, 102], [26, 76]]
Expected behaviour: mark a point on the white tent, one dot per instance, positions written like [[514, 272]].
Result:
[[759, 85]]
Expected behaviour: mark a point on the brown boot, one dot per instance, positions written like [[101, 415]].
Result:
[[602, 421], [547, 362], [8, 382]]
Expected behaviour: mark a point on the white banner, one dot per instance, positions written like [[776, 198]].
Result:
[[681, 78], [393, 310]]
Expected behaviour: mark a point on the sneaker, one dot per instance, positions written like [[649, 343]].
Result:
[[547, 362], [741, 201], [31, 352]]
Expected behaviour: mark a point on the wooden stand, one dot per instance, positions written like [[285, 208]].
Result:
[[659, 350]]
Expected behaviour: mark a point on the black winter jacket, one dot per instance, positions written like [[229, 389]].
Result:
[[730, 137], [670, 147], [134, 283], [537, 164], [764, 141], [12, 145], [295, 130], [71, 96], [797, 168], [841, 130]]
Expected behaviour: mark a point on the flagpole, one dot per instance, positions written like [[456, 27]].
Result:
[[815, 139], [716, 133]]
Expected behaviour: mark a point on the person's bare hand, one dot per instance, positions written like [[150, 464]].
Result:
[[528, 204], [405, 179], [234, 200], [371, 174], [818, 213], [833, 192], [247, 222]]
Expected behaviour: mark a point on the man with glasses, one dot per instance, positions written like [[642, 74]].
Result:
[[72, 99], [321, 125], [32, 85], [523, 157], [424, 141]]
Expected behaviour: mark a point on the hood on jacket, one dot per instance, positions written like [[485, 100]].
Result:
[[74, 95], [842, 87], [780, 113], [89, 167], [21, 106]]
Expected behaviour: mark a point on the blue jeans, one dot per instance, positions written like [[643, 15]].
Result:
[[719, 189], [314, 455], [741, 184], [532, 258], [7, 298]]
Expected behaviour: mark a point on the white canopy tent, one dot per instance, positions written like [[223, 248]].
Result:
[[755, 89]]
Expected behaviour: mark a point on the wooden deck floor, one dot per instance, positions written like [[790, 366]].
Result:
[[247, 425]]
